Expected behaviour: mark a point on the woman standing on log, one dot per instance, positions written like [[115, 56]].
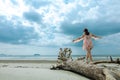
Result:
[[87, 43]]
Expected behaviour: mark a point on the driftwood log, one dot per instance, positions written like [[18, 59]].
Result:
[[88, 70], [103, 61], [91, 71], [117, 61]]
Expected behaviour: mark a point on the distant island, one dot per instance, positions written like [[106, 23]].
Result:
[[3, 55], [36, 54]]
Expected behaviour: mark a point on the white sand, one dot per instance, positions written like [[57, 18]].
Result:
[[35, 71]]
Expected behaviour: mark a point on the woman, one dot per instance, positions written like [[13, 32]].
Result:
[[87, 43]]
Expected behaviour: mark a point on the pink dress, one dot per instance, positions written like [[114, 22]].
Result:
[[87, 42]]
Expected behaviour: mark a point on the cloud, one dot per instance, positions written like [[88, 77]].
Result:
[[98, 28], [15, 33], [110, 40], [98, 16], [32, 16], [53, 20], [14, 2], [37, 3], [42, 26]]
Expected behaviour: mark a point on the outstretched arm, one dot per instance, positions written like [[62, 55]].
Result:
[[95, 37], [78, 39]]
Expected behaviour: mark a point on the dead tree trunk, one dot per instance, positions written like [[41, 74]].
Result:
[[117, 61], [88, 70], [98, 62]]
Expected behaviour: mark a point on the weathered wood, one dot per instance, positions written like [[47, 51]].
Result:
[[88, 70], [98, 62], [91, 71], [117, 61], [111, 59]]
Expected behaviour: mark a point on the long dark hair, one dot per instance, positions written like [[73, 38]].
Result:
[[86, 31]]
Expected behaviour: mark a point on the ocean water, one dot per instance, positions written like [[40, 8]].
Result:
[[28, 57], [53, 57]]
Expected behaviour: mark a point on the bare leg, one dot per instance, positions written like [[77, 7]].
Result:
[[90, 56], [87, 56]]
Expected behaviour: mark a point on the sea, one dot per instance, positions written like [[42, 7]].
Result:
[[53, 57]]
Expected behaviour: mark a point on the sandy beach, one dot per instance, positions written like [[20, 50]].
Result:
[[34, 70]]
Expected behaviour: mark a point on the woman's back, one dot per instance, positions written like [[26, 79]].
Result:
[[87, 42]]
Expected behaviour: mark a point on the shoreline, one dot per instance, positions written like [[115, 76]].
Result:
[[28, 61]]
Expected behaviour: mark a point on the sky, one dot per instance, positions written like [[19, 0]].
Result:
[[43, 26]]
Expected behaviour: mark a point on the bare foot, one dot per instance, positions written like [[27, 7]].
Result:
[[87, 62], [91, 62]]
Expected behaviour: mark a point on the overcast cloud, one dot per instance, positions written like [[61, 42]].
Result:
[[55, 23]]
